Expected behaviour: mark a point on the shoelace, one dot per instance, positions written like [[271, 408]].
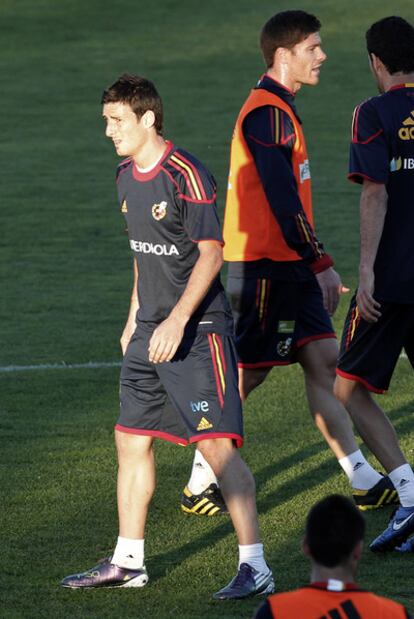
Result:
[[244, 573], [215, 494]]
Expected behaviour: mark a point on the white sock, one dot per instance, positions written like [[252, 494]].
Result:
[[201, 475], [403, 479], [253, 555], [129, 553], [360, 473]]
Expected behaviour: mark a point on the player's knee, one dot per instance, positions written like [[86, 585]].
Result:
[[242, 480], [250, 379], [215, 449], [218, 453], [132, 447], [342, 390], [318, 360]]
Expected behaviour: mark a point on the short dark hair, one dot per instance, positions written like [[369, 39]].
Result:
[[333, 528], [286, 29], [392, 40], [137, 92]]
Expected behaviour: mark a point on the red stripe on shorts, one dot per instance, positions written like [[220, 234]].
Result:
[[216, 370]]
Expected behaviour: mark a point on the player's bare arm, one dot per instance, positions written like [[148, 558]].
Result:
[[331, 286], [133, 308], [373, 207], [168, 335]]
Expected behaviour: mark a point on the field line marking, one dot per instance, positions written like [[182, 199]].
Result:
[[90, 365]]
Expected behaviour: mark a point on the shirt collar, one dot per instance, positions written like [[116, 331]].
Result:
[[397, 86], [334, 585], [271, 85]]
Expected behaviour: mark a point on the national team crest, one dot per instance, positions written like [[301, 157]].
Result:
[[159, 211], [283, 347]]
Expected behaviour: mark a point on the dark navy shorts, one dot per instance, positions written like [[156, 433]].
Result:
[[190, 398], [274, 318], [369, 351]]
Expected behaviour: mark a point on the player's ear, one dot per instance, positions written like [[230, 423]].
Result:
[[375, 62], [148, 119], [357, 551], [281, 56]]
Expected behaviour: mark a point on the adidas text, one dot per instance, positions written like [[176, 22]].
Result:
[[406, 132]]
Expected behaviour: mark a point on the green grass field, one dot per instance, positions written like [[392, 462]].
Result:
[[66, 278]]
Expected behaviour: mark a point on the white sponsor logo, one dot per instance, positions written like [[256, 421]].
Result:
[[144, 247], [198, 407], [398, 163], [304, 171]]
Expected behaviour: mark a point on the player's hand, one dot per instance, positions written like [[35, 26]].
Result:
[[331, 286], [165, 340], [368, 307]]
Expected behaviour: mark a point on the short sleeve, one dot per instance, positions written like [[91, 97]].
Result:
[[197, 201], [369, 155]]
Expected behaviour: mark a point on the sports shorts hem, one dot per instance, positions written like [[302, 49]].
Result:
[[202, 437], [262, 364], [313, 338], [358, 379], [298, 344], [176, 439], [155, 433]]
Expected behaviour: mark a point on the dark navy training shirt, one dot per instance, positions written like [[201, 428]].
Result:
[[168, 210], [382, 151]]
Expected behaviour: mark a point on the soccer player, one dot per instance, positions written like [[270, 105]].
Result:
[[281, 282], [333, 543], [380, 321], [179, 376]]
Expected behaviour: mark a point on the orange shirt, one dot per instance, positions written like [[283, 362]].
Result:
[[251, 231], [319, 601], [281, 231]]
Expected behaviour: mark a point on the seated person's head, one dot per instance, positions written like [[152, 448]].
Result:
[[334, 531]]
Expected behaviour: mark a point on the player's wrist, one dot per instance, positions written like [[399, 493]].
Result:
[[366, 269], [321, 264], [180, 315]]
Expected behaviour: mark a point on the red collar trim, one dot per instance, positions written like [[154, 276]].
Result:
[[398, 86], [147, 176]]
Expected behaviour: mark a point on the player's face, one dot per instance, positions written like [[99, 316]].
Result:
[[125, 130], [305, 60]]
